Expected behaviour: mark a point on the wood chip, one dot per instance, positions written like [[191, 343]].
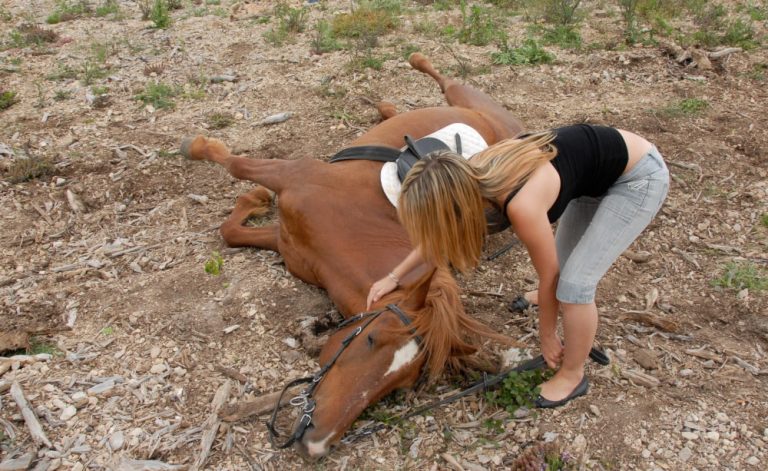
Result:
[[211, 425], [705, 354], [18, 464], [637, 257], [35, 429], [259, 406], [640, 378], [651, 319]]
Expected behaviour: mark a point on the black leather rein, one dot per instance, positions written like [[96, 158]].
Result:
[[304, 399]]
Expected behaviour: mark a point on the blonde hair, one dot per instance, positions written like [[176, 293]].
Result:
[[442, 199]]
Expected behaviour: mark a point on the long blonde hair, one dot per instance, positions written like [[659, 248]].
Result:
[[442, 199]]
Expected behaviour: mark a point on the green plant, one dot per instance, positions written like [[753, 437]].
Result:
[[324, 40], [61, 95], [91, 71], [565, 36], [32, 35], [518, 390], [764, 220], [160, 15], [743, 274], [64, 72], [219, 120], [7, 99], [494, 426], [67, 10], [561, 12], [108, 7], [740, 33], [158, 95], [529, 53], [40, 345], [478, 28], [371, 17], [5, 15], [107, 331], [214, 265], [23, 170]]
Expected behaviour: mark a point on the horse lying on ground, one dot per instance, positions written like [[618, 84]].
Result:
[[338, 231]]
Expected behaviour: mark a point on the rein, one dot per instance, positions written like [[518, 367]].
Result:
[[304, 400]]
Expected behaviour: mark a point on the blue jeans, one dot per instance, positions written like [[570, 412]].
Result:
[[594, 231]]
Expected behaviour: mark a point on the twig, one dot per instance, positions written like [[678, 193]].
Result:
[[35, 429], [229, 372], [248, 458], [724, 52], [687, 257], [260, 405], [211, 425]]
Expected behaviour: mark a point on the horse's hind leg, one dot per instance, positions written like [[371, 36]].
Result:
[[254, 203], [386, 109], [465, 96], [267, 172]]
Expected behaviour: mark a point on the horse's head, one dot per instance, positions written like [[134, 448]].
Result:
[[371, 356], [379, 353]]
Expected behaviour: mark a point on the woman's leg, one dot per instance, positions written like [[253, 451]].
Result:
[[623, 213]]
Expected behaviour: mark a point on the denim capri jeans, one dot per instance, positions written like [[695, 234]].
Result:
[[594, 231]]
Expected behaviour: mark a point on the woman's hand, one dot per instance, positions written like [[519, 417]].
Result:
[[551, 349], [379, 289]]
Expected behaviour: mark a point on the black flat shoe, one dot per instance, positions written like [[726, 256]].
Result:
[[519, 304], [580, 390]]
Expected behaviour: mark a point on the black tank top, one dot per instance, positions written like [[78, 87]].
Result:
[[589, 160]]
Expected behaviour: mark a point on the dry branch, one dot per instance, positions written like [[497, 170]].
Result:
[[724, 52], [638, 377], [211, 425], [230, 373], [35, 429], [258, 406], [651, 319]]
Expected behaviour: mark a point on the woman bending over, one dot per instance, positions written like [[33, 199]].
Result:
[[603, 185]]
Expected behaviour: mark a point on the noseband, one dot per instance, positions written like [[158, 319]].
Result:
[[304, 400]]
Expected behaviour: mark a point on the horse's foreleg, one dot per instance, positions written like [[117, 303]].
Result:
[[267, 172], [254, 203], [465, 96]]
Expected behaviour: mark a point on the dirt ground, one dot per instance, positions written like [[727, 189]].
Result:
[[102, 258]]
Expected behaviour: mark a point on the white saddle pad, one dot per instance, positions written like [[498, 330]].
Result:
[[471, 143]]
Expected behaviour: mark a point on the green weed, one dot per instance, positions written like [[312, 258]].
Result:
[[65, 72], [290, 21], [61, 95], [214, 265], [529, 53], [220, 120], [160, 15], [324, 40], [107, 331], [158, 94], [7, 99], [518, 390], [565, 36], [5, 15], [687, 107], [764, 220], [40, 345], [108, 7], [370, 18], [740, 275], [92, 71], [407, 49], [494, 426], [23, 170], [67, 10], [478, 27], [561, 12]]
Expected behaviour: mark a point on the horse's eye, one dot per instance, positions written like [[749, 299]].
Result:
[[370, 340]]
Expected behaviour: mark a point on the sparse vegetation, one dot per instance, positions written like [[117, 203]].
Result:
[[214, 265], [764, 220], [157, 94], [518, 390], [687, 106], [41, 345], [29, 168], [373, 18], [220, 120], [67, 10], [478, 27], [324, 39], [741, 275], [159, 14], [7, 99], [529, 53], [290, 21]]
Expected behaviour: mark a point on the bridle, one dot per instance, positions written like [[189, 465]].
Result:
[[305, 398]]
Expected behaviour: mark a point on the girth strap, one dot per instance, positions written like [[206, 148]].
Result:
[[375, 153]]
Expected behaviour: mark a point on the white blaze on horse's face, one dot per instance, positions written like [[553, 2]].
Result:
[[403, 356], [320, 447]]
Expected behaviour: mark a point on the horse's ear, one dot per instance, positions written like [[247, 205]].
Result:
[[416, 292]]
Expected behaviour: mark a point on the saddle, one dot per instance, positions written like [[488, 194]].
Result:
[[405, 159]]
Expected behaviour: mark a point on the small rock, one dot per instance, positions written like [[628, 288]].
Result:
[[116, 441], [79, 399], [753, 461], [690, 435], [722, 417], [157, 369], [179, 371], [579, 444], [154, 352], [593, 408], [60, 181], [646, 453], [291, 342], [647, 359], [685, 454], [68, 413], [550, 436], [685, 372], [521, 413], [714, 436]]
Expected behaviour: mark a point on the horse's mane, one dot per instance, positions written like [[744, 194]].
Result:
[[449, 334]]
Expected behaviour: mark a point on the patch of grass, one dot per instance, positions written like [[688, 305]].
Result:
[[529, 53], [324, 40], [561, 12], [40, 345], [5, 15], [407, 49], [478, 26], [518, 390], [369, 18], [214, 265], [687, 106], [65, 72], [158, 94], [764, 220], [740, 33], [107, 331], [61, 95], [92, 71], [290, 21], [108, 7], [220, 120], [159, 14], [7, 99], [23, 170], [495, 426], [564, 36], [741, 275], [67, 10]]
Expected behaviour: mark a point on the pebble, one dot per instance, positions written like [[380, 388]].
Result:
[[593, 408], [685, 454], [685, 372], [646, 453], [116, 441], [521, 413], [154, 352], [714, 436], [157, 369], [753, 461], [80, 399], [690, 435], [68, 413]]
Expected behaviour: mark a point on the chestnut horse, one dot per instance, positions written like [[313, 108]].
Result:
[[338, 231]]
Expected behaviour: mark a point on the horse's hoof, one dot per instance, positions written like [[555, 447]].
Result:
[[417, 60], [186, 147]]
